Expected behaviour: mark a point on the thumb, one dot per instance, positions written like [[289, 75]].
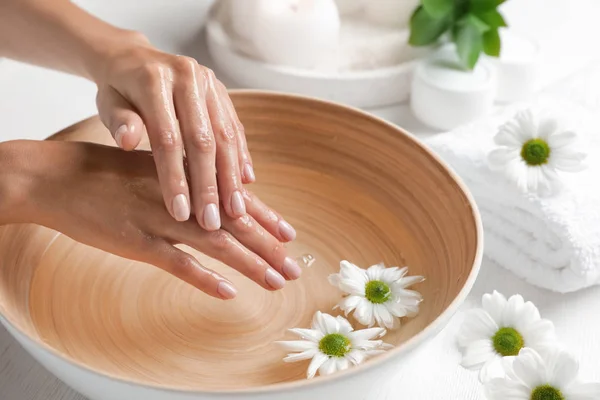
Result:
[[124, 124]]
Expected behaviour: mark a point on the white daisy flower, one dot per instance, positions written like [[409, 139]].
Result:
[[378, 294], [535, 377], [533, 151], [333, 345], [501, 329]]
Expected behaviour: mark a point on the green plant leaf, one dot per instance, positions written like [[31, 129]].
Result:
[[437, 8], [482, 6], [425, 29], [491, 43], [493, 19], [469, 39]]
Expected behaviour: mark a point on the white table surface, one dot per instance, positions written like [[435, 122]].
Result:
[[35, 102]]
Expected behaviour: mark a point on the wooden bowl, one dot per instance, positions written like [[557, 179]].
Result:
[[355, 188]]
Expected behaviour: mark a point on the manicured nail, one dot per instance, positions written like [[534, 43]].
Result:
[[249, 173], [212, 219], [286, 230], [119, 133], [181, 208], [237, 203], [274, 280], [291, 269], [226, 290]]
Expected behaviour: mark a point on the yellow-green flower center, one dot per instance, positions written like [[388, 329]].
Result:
[[335, 345], [377, 292], [507, 342], [535, 152], [546, 392]]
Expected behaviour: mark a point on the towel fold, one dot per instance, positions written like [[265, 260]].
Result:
[[551, 242]]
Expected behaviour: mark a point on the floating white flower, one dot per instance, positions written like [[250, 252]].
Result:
[[333, 345], [501, 329], [377, 294], [533, 376], [533, 151]]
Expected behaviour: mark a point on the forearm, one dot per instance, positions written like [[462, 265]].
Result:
[[21, 163], [57, 34]]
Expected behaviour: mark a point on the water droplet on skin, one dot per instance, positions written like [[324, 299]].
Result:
[[305, 260]]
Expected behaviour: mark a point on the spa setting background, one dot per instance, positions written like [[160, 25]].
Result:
[[35, 102]]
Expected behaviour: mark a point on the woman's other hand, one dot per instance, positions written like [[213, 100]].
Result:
[[112, 200]]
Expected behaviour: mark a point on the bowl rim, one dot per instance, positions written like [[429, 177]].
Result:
[[376, 363]]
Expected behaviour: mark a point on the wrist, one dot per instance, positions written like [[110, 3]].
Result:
[[19, 161]]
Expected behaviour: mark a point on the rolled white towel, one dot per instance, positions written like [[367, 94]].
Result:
[[552, 242]]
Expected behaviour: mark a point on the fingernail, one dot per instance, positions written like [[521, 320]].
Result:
[[212, 219], [249, 173], [237, 203], [226, 290], [274, 280], [291, 268], [286, 230], [119, 133], [181, 208]]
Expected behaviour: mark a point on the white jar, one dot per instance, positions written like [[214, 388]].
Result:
[[243, 17], [444, 95], [346, 7]]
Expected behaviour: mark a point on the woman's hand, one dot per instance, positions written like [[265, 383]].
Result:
[[111, 199], [185, 110]]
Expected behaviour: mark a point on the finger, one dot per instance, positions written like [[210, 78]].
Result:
[[158, 111], [255, 238], [120, 118], [185, 267], [244, 159], [268, 218], [222, 246], [199, 144], [228, 170]]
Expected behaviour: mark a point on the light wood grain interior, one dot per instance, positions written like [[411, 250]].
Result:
[[354, 188]]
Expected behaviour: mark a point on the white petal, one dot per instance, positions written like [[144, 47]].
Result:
[[335, 280], [315, 364], [352, 286], [328, 367], [364, 313], [366, 334], [478, 353], [344, 326], [568, 160], [477, 325], [332, 324], [308, 334], [342, 363], [534, 175], [547, 128], [297, 345], [349, 303], [507, 136], [384, 317], [409, 281], [529, 367], [511, 311], [499, 158], [318, 323], [550, 177], [391, 274], [527, 125], [375, 272], [305, 355], [516, 172], [353, 272], [538, 333], [525, 315], [494, 305], [493, 369], [356, 356], [562, 139], [583, 391], [562, 368], [506, 389]]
